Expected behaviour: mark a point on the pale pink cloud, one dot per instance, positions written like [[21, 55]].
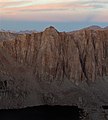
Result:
[[43, 8], [48, 15], [60, 10], [101, 16], [49, 6]]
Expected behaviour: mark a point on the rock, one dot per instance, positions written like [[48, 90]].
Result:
[[65, 69]]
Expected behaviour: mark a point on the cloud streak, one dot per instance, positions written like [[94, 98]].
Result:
[[57, 10]]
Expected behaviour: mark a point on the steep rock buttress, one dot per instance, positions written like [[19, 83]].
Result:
[[52, 67]]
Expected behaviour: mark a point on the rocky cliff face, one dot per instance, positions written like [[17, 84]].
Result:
[[80, 56], [54, 67]]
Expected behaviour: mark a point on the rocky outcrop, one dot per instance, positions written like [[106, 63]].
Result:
[[7, 36], [52, 67]]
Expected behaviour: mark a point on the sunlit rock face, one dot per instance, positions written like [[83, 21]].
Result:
[[54, 68]]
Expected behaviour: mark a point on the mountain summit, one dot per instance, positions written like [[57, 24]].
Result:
[[51, 30]]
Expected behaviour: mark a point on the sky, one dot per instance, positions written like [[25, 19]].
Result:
[[65, 15]]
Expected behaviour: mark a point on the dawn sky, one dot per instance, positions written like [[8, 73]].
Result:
[[63, 14]]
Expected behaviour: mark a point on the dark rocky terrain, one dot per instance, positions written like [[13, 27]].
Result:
[[42, 113], [55, 68]]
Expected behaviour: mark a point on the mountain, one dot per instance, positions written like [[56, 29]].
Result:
[[55, 68], [5, 35], [12, 35], [106, 27], [93, 27], [27, 31], [2, 30]]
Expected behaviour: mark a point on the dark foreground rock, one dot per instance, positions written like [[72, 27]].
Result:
[[42, 113]]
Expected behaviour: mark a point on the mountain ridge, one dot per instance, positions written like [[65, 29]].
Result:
[[93, 27], [54, 68]]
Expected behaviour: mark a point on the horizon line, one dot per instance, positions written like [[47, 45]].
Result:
[[89, 26]]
